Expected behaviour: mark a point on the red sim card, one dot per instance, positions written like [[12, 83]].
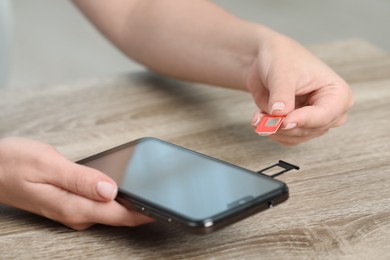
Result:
[[269, 125]]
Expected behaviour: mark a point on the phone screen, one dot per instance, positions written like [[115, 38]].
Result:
[[188, 183]]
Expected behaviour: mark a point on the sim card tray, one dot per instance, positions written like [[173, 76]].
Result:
[[281, 164]]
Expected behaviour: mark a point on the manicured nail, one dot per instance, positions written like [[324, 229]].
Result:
[[277, 106], [106, 190], [256, 118], [290, 126]]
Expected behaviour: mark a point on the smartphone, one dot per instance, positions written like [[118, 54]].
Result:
[[183, 187]]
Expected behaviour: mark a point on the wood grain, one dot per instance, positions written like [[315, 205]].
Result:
[[339, 205]]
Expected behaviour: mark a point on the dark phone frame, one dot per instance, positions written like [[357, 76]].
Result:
[[230, 216]]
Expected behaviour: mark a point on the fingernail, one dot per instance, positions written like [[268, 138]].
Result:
[[277, 106], [290, 126], [256, 119], [106, 190]]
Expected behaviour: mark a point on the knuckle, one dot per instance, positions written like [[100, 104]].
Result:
[[69, 216], [74, 221], [78, 227]]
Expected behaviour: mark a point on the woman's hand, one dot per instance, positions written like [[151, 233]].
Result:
[[287, 80], [37, 178], [283, 77]]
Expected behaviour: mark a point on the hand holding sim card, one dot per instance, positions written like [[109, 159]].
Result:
[[269, 124]]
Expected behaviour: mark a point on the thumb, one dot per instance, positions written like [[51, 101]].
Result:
[[281, 99], [84, 181]]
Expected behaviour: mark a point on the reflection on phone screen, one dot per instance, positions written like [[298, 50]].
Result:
[[188, 183]]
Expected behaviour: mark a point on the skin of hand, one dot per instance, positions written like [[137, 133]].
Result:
[[190, 40], [287, 80], [35, 177], [283, 77]]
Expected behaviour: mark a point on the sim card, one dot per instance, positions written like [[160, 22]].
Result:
[[269, 125]]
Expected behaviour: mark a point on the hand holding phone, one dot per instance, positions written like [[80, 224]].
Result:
[[177, 185]]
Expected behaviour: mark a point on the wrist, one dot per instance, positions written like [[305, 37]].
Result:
[[267, 43], [262, 39]]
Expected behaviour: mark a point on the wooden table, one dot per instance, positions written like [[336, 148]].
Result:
[[339, 205]]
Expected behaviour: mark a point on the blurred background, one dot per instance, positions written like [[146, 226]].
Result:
[[53, 43]]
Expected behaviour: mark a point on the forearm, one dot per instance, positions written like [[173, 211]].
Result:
[[192, 40]]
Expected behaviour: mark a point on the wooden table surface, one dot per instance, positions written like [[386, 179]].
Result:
[[339, 205]]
